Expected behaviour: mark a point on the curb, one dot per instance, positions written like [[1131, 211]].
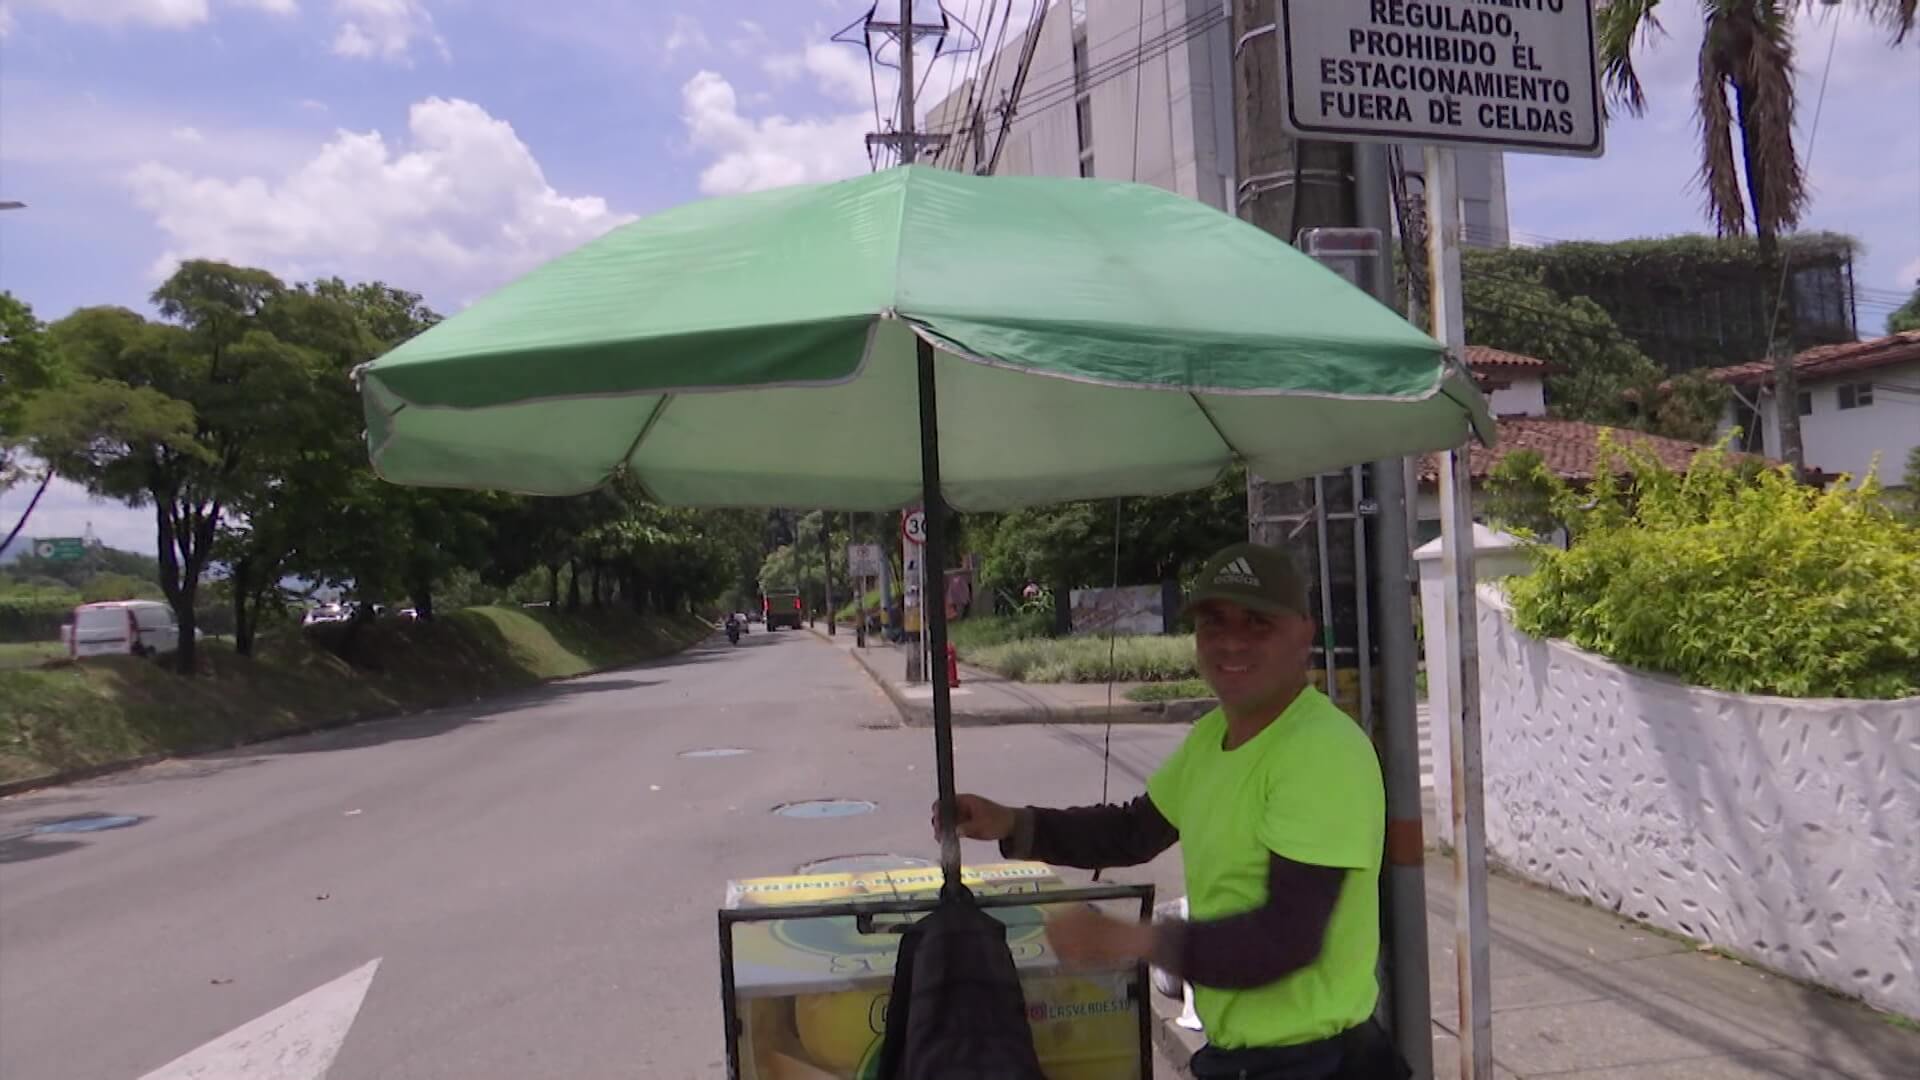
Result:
[[10, 788], [1174, 1042], [918, 712]]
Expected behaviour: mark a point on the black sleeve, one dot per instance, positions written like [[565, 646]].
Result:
[[1091, 837], [1260, 946]]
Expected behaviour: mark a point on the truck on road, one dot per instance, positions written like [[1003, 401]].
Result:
[[782, 608]]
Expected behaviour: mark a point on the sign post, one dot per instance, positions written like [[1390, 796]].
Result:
[[913, 534], [61, 548], [863, 565], [1452, 72], [1449, 73]]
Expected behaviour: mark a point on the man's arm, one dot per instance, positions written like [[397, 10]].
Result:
[[1260, 946], [1090, 837]]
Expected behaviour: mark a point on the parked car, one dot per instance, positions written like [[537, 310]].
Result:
[[325, 613], [121, 628]]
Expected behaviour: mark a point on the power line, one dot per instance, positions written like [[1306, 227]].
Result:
[[1064, 92], [1139, 80]]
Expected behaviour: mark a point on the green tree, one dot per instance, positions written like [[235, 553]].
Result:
[[1907, 316], [174, 414], [1595, 364], [112, 586], [28, 365], [1081, 544], [288, 520]]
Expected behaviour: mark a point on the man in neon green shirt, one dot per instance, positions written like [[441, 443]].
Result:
[[1277, 803]]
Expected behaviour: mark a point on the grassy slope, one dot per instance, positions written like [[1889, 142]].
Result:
[[69, 716]]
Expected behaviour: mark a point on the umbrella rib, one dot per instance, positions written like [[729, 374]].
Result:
[[1214, 424], [626, 460]]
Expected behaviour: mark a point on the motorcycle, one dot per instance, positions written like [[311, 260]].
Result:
[[733, 632]]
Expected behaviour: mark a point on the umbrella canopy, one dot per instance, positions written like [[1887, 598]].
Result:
[[1094, 339]]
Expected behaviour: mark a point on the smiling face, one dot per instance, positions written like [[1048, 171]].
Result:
[[1251, 659]]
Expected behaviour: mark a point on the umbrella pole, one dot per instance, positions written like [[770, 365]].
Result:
[[933, 610]]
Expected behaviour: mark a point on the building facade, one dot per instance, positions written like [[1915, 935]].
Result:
[[1109, 96], [1859, 406]]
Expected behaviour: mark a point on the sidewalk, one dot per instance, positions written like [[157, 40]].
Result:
[[984, 698], [1577, 991]]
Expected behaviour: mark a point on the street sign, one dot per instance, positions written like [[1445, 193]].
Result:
[[1505, 76], [61, 548], [863, 560], [913, 527]]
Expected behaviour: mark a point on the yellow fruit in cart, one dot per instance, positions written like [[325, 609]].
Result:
[[1084, 1028], [837, 1029]]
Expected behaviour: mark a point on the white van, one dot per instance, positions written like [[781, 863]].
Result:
[[119, 627]]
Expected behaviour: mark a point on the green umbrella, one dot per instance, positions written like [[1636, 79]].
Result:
[[1087, 339]]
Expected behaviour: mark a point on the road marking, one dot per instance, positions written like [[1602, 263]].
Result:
[[297, 1041]]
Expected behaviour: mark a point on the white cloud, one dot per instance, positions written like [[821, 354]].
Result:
[[458, 209], [383, 29], [771, 151], [189, 135], [687, 35], [170, 14], [840, 71]]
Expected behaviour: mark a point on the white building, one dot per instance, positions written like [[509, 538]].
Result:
[[1076, 116], [1859, 402]]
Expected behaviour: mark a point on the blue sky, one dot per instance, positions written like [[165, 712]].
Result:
[[447, 145]]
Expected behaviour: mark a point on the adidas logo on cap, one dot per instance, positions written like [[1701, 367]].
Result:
[[1237, 572]]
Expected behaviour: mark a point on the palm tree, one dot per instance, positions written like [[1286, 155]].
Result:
[[1746, 54], [1746, 82]]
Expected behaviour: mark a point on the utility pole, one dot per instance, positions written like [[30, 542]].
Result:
[[1471, 935], [826, 563], [905, 138], [1285, 185]]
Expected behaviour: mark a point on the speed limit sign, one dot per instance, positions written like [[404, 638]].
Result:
[[913, 526]]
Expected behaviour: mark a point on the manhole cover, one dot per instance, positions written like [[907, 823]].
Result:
[[863, 864], [97, 823], [715, 751], [825, 808]]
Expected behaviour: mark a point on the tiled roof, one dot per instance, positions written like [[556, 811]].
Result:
[[1829, 361], [1480, 358], [1571, 448]]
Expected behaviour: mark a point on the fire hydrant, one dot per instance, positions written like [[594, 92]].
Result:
[[953, 666]]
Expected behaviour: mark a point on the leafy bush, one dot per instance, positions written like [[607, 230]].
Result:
[[1183, 690], [977, 632], [1735, 581], [33, 614], [1126, 658]]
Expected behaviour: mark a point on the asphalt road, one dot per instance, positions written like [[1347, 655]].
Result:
[[537, 876]]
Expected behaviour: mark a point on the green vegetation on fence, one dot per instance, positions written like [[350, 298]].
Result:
[[1749, 584], [1090, 659], [109, 709]]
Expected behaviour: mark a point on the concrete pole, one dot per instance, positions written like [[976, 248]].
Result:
[[1463, 640], [1409, 998]]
